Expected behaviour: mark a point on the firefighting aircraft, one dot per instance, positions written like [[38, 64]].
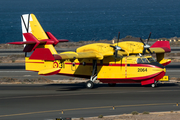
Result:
[[121, 62]]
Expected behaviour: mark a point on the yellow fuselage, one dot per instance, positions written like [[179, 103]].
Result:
[[125, 69]]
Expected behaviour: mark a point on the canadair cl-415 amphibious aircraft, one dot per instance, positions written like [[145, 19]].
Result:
[[122, 62]]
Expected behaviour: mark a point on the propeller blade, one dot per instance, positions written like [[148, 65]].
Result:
[[115, 55], [149, 37], [149, 51], [118, 38], [144, 51], [142, 41]]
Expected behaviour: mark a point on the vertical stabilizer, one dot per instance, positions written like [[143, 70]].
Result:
[[30, 24]]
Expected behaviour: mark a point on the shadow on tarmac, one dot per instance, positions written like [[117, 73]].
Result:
[[80, 86], [13, 67]]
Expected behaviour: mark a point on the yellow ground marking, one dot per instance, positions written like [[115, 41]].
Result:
[[88, 108]]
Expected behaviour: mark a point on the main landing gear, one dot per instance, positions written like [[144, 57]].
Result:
[[90, 83]]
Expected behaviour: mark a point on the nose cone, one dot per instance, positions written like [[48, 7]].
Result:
[[162, 72], [159, 69], [164, 69]]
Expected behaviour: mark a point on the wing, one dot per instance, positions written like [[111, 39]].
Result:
[[74, 55]]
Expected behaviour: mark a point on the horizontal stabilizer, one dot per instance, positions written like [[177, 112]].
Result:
[[53, 38], [21, 42], [52, 71], [32, 42]]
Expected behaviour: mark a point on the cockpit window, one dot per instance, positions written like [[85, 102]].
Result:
[[151, 59], [142, 60], [139, 60], [145, 60]]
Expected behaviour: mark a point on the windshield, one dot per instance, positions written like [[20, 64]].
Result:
[[145, 60], [151, 59], [142, 60], [139, 60]]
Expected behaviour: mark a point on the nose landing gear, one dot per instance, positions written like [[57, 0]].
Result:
[[154, 84]]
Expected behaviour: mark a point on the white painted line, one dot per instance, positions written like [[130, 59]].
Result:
[[26, 75]]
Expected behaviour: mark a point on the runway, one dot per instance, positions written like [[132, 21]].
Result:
[[45, 102]]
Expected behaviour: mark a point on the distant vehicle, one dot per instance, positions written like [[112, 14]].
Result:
[[122, 62]]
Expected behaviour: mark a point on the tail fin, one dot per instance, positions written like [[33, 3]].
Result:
[[39, 46], [31, 25], [34, 35]]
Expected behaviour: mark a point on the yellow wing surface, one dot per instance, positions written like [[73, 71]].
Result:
[[100, 50]]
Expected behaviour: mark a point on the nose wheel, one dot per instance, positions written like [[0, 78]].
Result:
[[154, 84], [89, 84]]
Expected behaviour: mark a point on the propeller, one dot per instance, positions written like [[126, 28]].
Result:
[[146, 46], [116, 48]]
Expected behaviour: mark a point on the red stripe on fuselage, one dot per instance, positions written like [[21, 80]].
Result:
[[112, 64]]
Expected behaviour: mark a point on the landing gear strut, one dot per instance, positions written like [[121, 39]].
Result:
[[90, 83], [154, 84]]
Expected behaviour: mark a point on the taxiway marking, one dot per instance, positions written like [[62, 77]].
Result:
[[88, 108]]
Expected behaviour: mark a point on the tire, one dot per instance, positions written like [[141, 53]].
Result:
[[112, 84], [153, 85], [89, 84]]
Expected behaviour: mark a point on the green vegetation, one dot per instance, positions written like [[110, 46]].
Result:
[[134, 113], [13, 60], [100, 116], [145, 112]]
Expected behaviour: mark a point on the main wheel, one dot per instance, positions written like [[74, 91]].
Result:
[[89, 84], [112, 84]]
